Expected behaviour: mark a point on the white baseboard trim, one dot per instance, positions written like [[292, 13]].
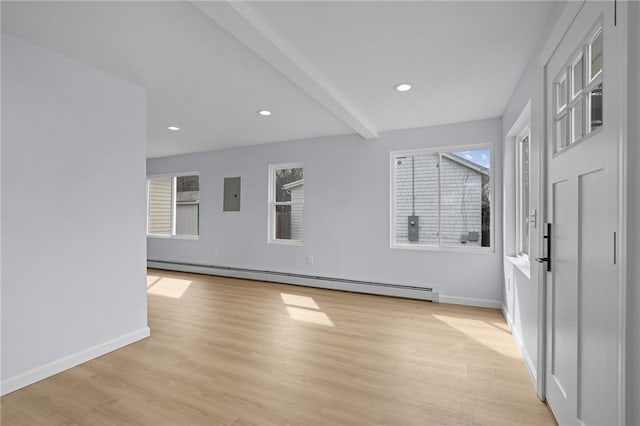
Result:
[[382, 289], [470, 301], [505, 314], [528, 362], [42, 372]]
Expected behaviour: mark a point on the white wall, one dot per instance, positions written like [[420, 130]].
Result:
[[520, 291], [73, 213], [633, 285], [346, 212]]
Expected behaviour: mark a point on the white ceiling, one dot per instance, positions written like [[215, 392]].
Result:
[[324, 68]]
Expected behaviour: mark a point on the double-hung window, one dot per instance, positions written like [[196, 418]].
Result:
[[286, 203], [441, 198], [522, 194], [173, 206]]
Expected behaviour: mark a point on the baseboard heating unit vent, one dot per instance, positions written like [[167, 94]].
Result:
[[385, 289]]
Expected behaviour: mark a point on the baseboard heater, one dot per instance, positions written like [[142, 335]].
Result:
[[386, 289]]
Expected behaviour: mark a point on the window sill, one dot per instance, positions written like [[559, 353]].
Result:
[[521, 263], [174, 237], [444, 249], [287, 242]]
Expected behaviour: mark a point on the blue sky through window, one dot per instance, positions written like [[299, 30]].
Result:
[[481, 157]]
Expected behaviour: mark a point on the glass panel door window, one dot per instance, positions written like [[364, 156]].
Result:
[[578, 104]]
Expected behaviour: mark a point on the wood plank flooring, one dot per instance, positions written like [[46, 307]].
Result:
[[235, 352]]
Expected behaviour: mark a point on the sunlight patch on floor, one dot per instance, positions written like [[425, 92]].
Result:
[[301, 301], [480, 331], [307, 315], [151, 280], [168, 287], [305, 309]]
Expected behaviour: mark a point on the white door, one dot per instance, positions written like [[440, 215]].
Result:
[[583, 379]]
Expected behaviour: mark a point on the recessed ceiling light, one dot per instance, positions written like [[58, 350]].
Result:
[[402, 87], [264, 112], [173, 128]]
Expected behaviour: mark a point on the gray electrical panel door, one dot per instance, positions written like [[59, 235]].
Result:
[[231, 194]]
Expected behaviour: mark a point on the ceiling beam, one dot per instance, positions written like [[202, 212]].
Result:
[[246, 25]]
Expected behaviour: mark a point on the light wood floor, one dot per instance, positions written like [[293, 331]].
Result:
[[236, 352]]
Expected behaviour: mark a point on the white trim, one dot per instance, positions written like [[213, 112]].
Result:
[[623, 219], [439, 151], [286, 242], [317, 282], [54, 367], [451, 249], [178, 174], [521, 263], [331, 284], [569, 14], [471, 301], [526, 358], [174, 237], [174, 198]]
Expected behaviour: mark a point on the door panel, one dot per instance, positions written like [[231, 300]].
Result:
[[582, 143], [598, 391], [564, 313]]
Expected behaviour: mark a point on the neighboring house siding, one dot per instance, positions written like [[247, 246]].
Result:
[[461, 202], [160, 194], [187, 219], [461, 199], [426, 197], [297, 204]]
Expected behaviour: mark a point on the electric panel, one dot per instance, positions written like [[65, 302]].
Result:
[[231, 201], [413, 228]]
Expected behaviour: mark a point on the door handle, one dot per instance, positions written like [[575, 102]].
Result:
[[547, 259]]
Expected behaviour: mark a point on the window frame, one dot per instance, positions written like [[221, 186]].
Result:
[[439, 151], [525, 134], [272, 204], [174, 190]]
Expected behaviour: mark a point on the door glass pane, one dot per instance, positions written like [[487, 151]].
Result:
[[561, 133], [577, 122], [416, 194], [595, 108], [561, 94], [465, 210], [595, 56], [576, 78]]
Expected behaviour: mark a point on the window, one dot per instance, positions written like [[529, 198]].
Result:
[[522, 194], [578, 102], [286, 202], [173, 206], [441, 199]]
